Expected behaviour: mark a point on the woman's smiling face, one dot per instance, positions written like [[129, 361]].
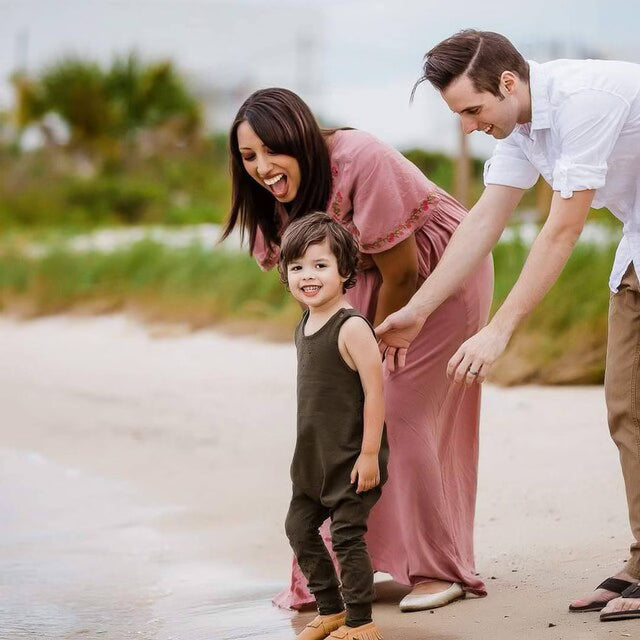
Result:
[[276, 172]]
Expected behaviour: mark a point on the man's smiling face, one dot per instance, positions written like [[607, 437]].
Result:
[[481, 110]]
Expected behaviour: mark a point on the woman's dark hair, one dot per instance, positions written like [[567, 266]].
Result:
[[286, 125], [315, 228], [481, 55]]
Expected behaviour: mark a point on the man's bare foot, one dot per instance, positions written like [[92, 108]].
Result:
[[601, 595], [624, 608], [622, 604]]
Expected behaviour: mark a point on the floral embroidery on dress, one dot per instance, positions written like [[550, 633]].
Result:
[[334, 170], [335, 213], [400, 230], [336, 207]]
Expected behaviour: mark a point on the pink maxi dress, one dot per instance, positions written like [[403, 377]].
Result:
[[422, 526]]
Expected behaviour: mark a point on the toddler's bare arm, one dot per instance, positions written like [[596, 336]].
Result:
[[359, 346]]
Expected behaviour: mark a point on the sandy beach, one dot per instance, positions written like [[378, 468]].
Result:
[[144, 482]]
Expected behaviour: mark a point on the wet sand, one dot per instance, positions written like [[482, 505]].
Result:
[[144, 480]]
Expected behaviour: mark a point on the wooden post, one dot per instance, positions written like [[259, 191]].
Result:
[[544, 193], [462, 180]]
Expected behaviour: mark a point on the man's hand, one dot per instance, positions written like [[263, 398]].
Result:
[[473, 360], [366, 471], [396, 333], [549, 253]]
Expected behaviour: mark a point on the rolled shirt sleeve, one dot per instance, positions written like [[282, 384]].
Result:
[[509, 166], [588, 125]]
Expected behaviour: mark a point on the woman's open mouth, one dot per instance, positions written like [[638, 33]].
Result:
[[279, 185]]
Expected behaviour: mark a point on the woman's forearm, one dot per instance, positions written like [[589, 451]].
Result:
[[393, 296]]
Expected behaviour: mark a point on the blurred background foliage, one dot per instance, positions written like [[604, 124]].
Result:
[[122, 145], [89, 147]]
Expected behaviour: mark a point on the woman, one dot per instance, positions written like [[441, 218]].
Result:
[[284, 166]]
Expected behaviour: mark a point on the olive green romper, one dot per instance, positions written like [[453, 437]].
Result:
[[329, 439]]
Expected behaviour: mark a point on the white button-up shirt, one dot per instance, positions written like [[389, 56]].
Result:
[[584, 134]]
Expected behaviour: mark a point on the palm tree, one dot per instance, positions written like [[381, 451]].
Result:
[[146, 96], [100, 105]]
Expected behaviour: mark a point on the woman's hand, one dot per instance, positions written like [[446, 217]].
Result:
[[366, 471], [475, 357], [396, 333]]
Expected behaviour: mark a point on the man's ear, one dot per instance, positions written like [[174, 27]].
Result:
[[508, 81]]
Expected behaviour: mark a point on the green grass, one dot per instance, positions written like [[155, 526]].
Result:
[[190, 285], [47, 188], [50, 188], [562, 342]]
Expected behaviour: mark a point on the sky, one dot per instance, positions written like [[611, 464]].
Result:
[[353, 61]]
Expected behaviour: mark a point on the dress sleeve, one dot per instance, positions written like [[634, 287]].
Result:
[[509, 166], [391, 197], [588, 126]]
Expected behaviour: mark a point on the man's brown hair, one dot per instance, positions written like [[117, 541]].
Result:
[[482, 55], [315, 228]]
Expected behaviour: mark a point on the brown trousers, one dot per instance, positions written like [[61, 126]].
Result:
[[622, 390]]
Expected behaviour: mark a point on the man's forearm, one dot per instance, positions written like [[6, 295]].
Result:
[[472, 241], [548, 256]]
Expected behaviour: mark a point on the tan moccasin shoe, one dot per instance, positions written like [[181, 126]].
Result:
[[365, 632], [321, 626]]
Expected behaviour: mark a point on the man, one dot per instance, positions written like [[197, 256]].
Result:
[[577, 123]]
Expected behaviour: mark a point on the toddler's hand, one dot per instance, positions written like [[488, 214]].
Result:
[[367, 472]]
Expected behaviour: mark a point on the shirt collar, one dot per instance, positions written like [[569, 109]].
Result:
[[539, 99]]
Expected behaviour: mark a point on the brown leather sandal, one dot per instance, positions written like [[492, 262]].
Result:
[[615, 585], [632, 591]]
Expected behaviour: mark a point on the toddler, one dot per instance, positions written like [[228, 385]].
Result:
[[340, 458]]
